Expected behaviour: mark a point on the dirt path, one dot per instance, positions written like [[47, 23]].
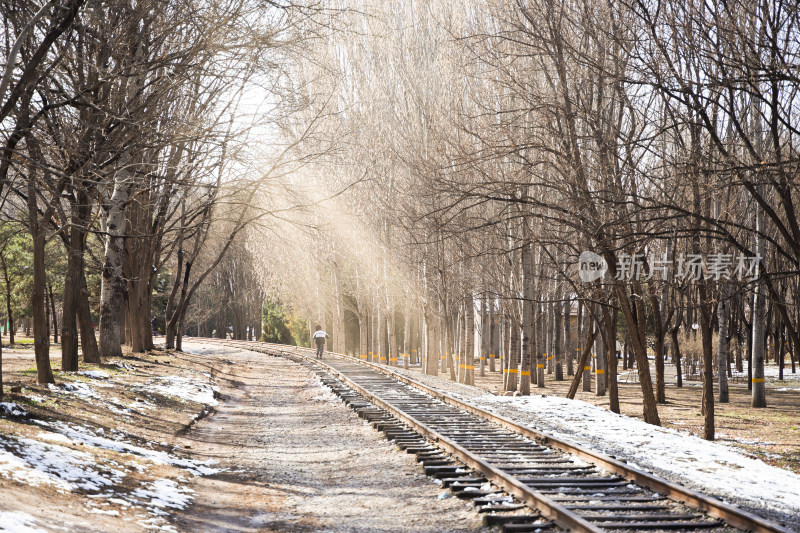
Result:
[[297, 459]]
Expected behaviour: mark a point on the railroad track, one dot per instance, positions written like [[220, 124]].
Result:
[[520, 479]]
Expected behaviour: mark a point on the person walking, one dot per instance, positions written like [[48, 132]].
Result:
[[319, 337]]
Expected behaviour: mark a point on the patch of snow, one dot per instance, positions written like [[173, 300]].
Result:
[[109, 512], [94, 374], [12, 409], [74, 387], [115, 405], [18, 522], [164, 493], [86, 436], [54, 437], [12, 467], [711, 467], [34, 462], [326, 396], [184, 387], [157, 523], [772, 371], [262, 519], [37, 399]]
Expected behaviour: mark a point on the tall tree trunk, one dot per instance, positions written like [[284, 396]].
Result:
[[91, 354], [610, 319], [658, 347], [676, 353], [147, 295], [9, 311], [47, 311], [340, 341], [505, 342], [390, 332], [583, 361], [722, 343], [541, 340], [363, 327], [708, 364], [172, 325], [550, 336], [384, 333], [587, 366], [600, 354], [634, 321], [406, 332], [431, 362], [759, 395], [112, 282], [527, 317], [379, 327], [41, 337], [558, 329], [485, 329], [494, 333], [569, 345], [69, 314], [513, 356], [371, 333], [447, 346], [457, 343], [179, 337], [53, 310], [169, 328], [469, 348]]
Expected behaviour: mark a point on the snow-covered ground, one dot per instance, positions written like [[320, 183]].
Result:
[[184, 387], [50, 459], [713, 468], [33, 462], [71, 457], [13, 410], [82, 435], [771, 371], [18, 522]]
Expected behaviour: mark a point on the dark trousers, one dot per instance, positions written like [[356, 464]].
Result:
[[320, 347]]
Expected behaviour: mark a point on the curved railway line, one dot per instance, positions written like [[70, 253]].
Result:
[[520, 479]]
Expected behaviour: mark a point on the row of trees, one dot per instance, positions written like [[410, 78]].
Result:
[[421, 171], [495, 141], [128, 152]]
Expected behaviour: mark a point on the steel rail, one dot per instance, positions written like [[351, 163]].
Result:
[[732, 515]]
